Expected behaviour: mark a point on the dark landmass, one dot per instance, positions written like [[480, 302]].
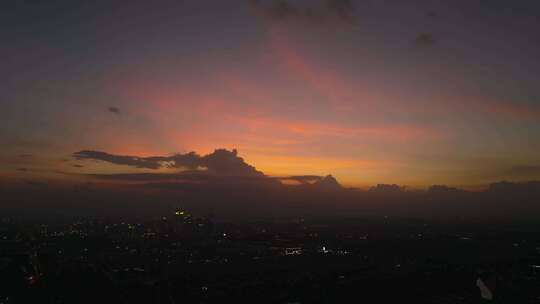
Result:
[[183, 258]]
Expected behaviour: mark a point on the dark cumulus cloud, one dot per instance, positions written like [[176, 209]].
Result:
[[323, 12], [114, 110], [133, 161], [303, 179], [219, 162], [322, 182], [77, 166], [425, 40], [221, 167]]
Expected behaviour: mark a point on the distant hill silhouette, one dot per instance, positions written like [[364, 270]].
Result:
[[386, 188], [225, 184]]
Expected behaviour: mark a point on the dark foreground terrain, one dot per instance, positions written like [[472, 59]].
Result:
[[180, 258]]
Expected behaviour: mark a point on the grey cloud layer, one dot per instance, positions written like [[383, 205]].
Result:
[[331, 11], [114, 110], [219, 162], [425, 39]]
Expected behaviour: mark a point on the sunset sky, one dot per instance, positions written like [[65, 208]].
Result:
[[371, 91]]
